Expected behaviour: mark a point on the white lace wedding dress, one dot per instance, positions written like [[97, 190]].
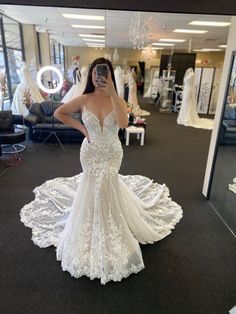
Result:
[[232, 186], [132, 96], [96, 219], [27, 88], [188, 115]]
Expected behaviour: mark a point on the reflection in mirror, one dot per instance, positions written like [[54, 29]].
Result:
[[223, 190]]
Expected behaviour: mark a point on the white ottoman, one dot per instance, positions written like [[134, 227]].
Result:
[[135, 130]]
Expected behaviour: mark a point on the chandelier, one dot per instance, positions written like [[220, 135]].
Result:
[[138, 32], [148, 51]]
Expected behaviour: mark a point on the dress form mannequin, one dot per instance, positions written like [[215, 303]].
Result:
[[119, 76], [132, 98], [75, 89], [26, 86], [188, 115]]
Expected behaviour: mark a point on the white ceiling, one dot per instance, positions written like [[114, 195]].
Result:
[[160, 25]]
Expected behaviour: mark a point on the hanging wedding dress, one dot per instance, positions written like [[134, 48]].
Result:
[[119, 77], [84, 74], [132, 97], [232, 187], [188, 115], [75, 90], [156, 86], [26, 92], [96, 219]]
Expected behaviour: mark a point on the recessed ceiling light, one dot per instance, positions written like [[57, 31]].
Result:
[[210, 23], [173, 40], [95, 44], [163, 44], [84, 17], [189, 31], [222, 46], [92, 36], [88, 26], [207, 49], [97, 40]]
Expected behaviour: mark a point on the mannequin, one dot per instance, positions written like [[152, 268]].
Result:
[[75, 89], [188, 115], [26, 92], [119, 76], [132, 98]]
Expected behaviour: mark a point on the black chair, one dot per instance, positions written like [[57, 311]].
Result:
[[10, 134]]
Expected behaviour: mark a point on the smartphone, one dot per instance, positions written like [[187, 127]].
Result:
[[101, 70]]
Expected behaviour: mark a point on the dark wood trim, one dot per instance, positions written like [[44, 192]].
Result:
[[220, 7]]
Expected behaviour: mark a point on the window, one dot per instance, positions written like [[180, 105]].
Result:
[[11, 56]]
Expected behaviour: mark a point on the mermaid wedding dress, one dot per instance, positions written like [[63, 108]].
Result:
[[232, 187], [188, 115], [96, 219]]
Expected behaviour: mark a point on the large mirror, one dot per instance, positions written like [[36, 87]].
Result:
[[223, 190]]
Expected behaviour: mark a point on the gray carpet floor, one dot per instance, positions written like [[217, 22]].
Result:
[[190, 271]]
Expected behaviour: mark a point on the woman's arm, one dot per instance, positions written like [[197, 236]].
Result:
[[63, 113], [119, 104], [120, 109]]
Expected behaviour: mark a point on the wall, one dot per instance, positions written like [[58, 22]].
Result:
[[30, 43], [87, 55], [231, 46]]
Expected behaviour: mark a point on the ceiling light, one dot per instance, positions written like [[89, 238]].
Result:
[[84, 17], [173, 40], [88, 26], [207, 49], [92, 36], [209, 23], [163, 44], [157, 48], [95, 45], [97, 40], [222, 46], [189, 31]]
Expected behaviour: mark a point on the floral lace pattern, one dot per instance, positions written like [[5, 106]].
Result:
[[97, 219]]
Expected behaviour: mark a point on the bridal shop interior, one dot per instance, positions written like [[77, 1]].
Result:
[[177, 74]]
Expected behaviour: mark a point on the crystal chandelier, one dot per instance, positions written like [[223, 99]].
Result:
[[148, 51], [138, 32]]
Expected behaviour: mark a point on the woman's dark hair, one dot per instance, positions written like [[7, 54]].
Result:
[[89, 88]]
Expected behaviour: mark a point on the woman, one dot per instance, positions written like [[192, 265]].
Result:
[[98, 234]]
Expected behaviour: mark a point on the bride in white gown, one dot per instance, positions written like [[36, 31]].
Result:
[[96, 219], [188, 115]]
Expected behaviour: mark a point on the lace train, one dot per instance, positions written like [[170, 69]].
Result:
[[101, 241]]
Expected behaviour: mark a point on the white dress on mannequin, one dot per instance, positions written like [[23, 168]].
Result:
[[97, 219], [75, 90], [232, 187], [132, 97], [119, 77], [84, 73], [188, 115], [27, 85]]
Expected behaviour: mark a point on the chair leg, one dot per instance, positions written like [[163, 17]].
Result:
[[142, 139], [138, 136], [127, 138]]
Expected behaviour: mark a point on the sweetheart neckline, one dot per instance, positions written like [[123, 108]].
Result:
[[101, 122]]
